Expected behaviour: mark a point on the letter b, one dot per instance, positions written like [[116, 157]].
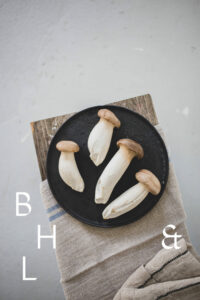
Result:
[[25, 204]]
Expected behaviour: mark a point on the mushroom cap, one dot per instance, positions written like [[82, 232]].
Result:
[[108, 115], [132, 146], [150, 181], [67, 146]]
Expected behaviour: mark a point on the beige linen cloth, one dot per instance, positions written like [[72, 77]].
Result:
[[95, 262], [170, 274]]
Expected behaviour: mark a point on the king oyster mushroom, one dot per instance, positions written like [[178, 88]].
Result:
[[100, 137], [67, 166], [148, 183], [114, 170]]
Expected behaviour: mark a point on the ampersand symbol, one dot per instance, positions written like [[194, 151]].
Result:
[[175, 236]]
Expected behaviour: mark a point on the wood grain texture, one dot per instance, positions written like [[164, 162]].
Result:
[[44, 130]]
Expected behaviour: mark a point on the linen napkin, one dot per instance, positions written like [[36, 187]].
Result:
[[95, 262], [170, 274]]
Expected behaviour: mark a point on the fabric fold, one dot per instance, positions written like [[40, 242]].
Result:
[[174, 273]]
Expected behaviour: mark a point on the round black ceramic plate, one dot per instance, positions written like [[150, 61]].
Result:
[[82, 205]]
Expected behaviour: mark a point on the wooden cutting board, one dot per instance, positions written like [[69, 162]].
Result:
[[44, 130]]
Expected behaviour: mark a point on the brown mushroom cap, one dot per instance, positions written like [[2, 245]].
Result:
[[67, 146], [132, 146], [150, 181], [109, 116]]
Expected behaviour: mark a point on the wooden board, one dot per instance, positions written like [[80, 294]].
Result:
[[44, 130]]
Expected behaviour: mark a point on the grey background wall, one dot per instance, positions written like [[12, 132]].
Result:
[[62, 56]]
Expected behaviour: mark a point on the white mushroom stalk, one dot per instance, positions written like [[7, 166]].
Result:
[[131, 198], [117, 166], [100, 137], [67, 166]]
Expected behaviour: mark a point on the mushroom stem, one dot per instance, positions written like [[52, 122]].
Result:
[[100, 137], [148, 183], [112, 173], [99, 141], [126, 201], [67, 166], [69, 171]]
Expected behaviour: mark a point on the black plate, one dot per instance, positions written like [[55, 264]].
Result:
[[82, 205]]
